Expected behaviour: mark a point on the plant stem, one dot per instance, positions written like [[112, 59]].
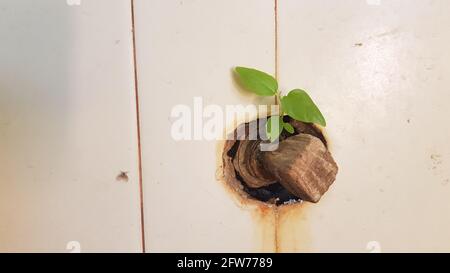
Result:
[[278, 102]]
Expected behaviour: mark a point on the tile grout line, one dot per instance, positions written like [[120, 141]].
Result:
[[276, 43], [276, 37], [141, 195], [138, 121], [276, 211]]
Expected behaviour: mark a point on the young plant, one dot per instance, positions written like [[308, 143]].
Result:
[[297, 104]]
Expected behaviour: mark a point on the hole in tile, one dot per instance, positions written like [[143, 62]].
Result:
[[247, 171]]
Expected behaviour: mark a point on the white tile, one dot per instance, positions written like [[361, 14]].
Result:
[[378, 74], [187, 49], [67, 127]]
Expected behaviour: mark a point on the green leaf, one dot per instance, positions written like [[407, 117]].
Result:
[[274, 127], [299, 105], [289, 128], [257, 82]]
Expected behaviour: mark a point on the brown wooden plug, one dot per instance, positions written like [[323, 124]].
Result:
[[303, 165]]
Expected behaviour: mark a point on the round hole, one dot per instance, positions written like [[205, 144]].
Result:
[[253, 183]]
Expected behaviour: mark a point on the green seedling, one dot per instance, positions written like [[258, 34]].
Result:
[[297, 104]]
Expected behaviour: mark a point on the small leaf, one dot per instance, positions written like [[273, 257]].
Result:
[[289, 128], [257, 81], [299, 105], [274, 127]]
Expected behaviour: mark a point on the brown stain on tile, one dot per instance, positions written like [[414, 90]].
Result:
[[265, 222], [293, 234], [279, 229], [282, 229], [122, 177]]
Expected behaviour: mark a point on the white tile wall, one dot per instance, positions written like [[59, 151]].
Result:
[[68, 122], [378, 73], [67, 127], [187, 49]]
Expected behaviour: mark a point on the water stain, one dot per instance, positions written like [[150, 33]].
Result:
[[292, 228], [436, 160], [392, 32], [265, 232]]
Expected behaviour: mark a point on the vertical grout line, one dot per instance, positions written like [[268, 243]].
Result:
[[138, 120], [277, 223], [276, 38], [276, 211], [276, 43]]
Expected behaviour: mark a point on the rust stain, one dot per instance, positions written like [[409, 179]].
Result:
[[293, 234], [265, 219], [326, 137], [231, 184], [263, 215], [278, 229]]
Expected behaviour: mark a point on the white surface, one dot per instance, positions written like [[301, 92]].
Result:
[[67, 127], [384, 101], [68, 122], [386, 106], [187, 49]]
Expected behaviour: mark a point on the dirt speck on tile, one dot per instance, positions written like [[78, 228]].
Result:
[[436, 158], [122, 177]]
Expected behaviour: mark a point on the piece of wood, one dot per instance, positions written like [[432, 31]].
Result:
[[303, 165], [250, 167], [247, 161]]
